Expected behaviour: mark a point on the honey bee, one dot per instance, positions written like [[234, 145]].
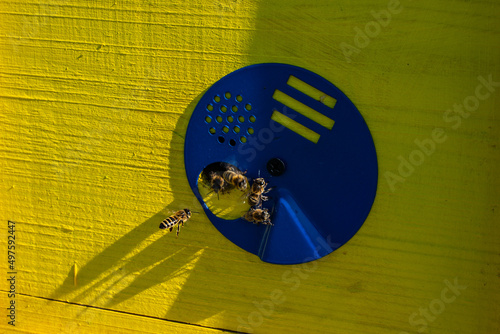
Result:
[[236, 179], [257, 192], [217, 183], [178, 218], [257, 216], [213, 177]]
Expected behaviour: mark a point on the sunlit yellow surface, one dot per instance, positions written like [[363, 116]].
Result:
[[95, 98]]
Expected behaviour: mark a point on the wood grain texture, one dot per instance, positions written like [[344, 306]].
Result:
[[95, 98]]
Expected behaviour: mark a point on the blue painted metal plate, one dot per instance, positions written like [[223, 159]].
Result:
[[328, 188]]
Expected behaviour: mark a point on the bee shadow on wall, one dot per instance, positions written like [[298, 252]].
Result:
[[114, 261], [140, 259]]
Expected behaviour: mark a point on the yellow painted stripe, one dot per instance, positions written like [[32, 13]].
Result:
[[311, 91], [303, 109], [75, 273], [295, 127]]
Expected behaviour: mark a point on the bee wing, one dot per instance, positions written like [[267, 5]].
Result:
[[245, 195], [227, 187], [244, 216], [227, 166]]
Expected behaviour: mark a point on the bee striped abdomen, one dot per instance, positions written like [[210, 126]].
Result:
[[253, 199], [257, 192], [237, 179], [178, 219], [169, 223]]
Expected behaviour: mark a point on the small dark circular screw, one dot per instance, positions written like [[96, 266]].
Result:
[[276, 167]]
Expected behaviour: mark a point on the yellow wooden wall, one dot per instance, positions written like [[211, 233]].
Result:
[[95, 97]]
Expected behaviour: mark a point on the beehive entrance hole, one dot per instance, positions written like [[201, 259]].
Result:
[[227, 205]]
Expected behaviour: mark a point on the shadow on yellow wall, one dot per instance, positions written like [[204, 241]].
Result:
[[134, 263], [121, 272]]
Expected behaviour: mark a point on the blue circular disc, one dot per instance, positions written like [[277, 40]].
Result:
[[306, 139]]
